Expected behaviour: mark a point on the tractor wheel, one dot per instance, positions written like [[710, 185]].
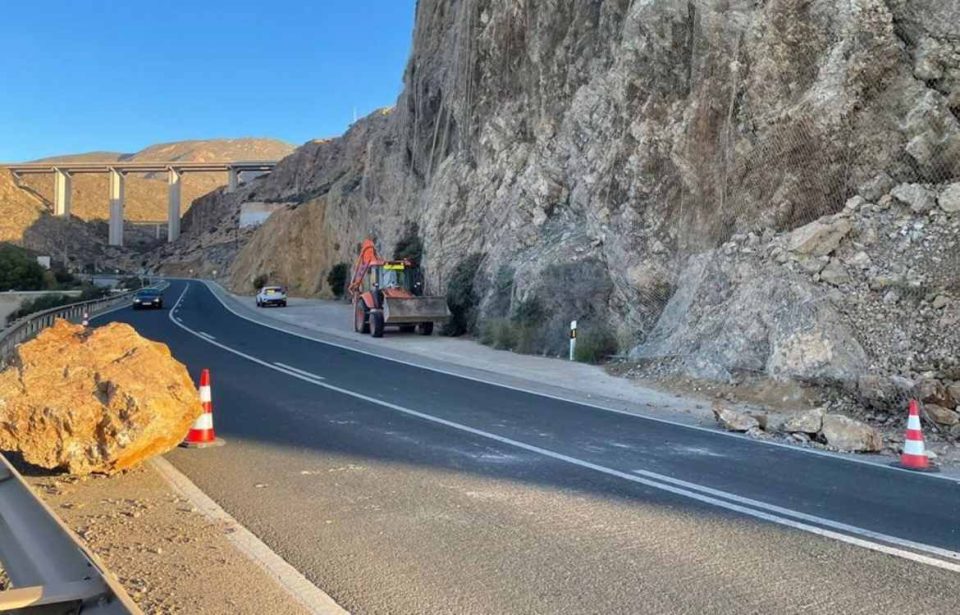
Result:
[[376, 324], [361, 320], [408, 328], [426, 328]]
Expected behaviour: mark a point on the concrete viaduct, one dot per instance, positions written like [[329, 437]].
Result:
[[63, 171]]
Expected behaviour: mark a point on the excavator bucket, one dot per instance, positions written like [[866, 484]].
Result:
[[398, 311]]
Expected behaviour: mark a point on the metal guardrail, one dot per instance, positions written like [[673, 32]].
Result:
[[51, 572], [29, 326]]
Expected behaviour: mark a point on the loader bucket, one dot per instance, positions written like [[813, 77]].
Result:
[[398, 311]]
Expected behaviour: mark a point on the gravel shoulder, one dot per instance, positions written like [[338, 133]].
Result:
[[167, 555]]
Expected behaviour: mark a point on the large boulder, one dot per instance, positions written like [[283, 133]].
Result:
[[950, 199], [846, 434], [94, 400], [944, 417], [918, 198], [809, 422], [819, 238], [729, 317], [731, 420]]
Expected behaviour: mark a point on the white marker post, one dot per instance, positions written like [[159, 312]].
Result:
[[573, 339]]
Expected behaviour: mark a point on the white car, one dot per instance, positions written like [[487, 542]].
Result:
[[272, 295]]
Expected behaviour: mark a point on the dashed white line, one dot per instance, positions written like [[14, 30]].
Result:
[[206, 335], [860, 537], [298, 371]]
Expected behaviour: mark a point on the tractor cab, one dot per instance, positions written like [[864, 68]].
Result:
[[396, 278]]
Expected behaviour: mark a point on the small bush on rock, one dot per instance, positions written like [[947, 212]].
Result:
[[595, 344], [260, 281], [462, 296], [337, 279], [410, 245]]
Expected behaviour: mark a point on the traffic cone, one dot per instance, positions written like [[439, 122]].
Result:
[[914, 457], [201, 434]]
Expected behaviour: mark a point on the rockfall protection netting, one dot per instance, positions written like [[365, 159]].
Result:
[[782, 183]]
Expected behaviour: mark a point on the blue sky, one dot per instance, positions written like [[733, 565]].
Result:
[[118, 75]]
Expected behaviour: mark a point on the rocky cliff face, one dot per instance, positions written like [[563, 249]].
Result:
[[603, 157]]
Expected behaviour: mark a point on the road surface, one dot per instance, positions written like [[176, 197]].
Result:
[[397, 489]]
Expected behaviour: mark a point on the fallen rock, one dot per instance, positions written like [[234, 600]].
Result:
[[933, 391], [835, 273], [94, 400], [953, 391], [846, 434], [949, 199], [940, 415], [819, 238], [731, 420], [770, 423], [877, 187], [915, 196], [809, 422]]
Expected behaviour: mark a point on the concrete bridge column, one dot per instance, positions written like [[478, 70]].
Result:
[[173, 204], [116, 207], [233, 179], [62, 193]]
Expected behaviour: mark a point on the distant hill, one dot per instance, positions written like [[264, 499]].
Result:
[[146, 194]]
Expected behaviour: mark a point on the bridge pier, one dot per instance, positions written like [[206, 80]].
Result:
[[62, 193], [233, 179], [173, 204], [116, 207]]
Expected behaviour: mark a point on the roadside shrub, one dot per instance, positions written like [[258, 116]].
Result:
[[131, 283], [65, 279], [462, 296], [595, 344], [260, 281], [499, 333], [337, 279], [19, 270], [502, 294], [410, 245]]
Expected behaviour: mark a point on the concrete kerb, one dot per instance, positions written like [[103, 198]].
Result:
[[552, 392]]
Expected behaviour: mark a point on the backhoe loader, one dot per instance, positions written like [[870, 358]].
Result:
[[391, 293]]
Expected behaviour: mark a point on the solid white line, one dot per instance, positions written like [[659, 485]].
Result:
[[572, 400], [653, 480], [298, 371], [293, 582], [902, 542]]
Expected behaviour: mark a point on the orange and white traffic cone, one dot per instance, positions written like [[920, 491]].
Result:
[[914, 457], [201, 435]]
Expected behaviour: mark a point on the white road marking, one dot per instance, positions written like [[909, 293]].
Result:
[[572, 400], [861, 538], [206, 335], [309, 595], [299, 371]]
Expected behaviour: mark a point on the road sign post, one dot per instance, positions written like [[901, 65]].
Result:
[[573, 339]]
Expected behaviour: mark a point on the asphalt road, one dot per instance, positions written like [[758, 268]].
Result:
[[401, 490]]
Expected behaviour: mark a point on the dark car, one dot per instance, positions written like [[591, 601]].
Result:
[[148, 298]]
